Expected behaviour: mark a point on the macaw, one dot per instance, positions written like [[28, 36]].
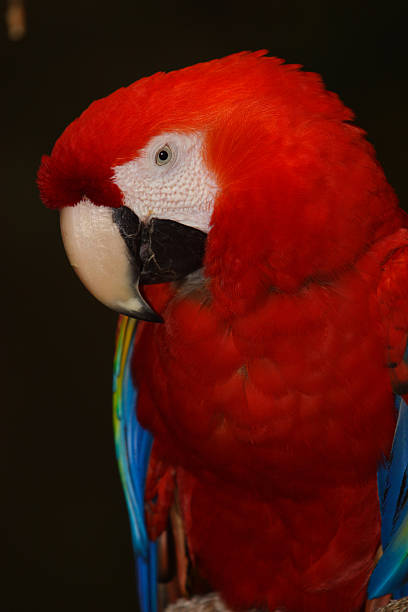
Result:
[[260, 420]]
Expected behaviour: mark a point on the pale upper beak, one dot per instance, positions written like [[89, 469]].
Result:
[[111, 250], [100, 257]]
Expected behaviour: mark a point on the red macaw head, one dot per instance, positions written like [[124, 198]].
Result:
[[245, 165]]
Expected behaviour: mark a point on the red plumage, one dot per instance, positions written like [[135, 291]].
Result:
[[268, 386]]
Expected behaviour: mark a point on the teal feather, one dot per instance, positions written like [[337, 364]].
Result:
[[391, 572], [133, 445]]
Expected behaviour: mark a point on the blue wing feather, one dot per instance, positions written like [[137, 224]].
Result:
[[391, 572], [133, 445]]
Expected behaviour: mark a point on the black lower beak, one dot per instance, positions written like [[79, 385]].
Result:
[[160, 250]]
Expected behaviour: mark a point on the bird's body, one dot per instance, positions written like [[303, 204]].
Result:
[[277, 419], [269, 386]]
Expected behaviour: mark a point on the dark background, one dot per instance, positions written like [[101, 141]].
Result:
[[65, 541]]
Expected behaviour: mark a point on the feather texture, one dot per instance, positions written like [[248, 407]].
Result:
[[269, 387], [391, 572], [133, 446]]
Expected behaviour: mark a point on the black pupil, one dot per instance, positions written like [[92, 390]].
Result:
[[163, 155]]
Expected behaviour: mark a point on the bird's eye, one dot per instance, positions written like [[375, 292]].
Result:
[[163, 156]]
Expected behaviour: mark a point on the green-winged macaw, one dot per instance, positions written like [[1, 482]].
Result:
[[235, 208]]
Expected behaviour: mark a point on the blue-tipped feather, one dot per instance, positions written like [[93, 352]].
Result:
[[391, 572], [133, 446]]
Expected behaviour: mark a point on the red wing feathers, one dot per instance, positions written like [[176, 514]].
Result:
[[392, 294]]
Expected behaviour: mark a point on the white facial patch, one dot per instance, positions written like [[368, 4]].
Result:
[[170, 180]]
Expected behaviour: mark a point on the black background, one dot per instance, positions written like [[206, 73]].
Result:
[[65, 541]]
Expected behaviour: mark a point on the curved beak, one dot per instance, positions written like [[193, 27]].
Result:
[[101, 258], [111, 250]]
